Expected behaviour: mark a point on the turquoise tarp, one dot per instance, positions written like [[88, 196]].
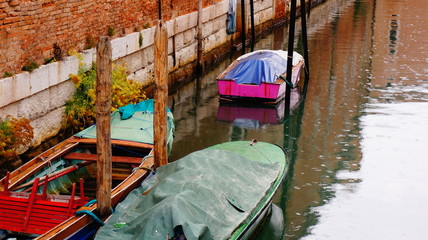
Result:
[[133, 122]]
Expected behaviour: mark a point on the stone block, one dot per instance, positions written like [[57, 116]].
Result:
[[89, 57], [148, 36], [193, 19], [221, 8], [47, 126], [219, 23], [35, 106], [206, 14], [60, 93], [187, 54], [21, 86], [179, 41], [207, 29], [6, 95], [39, 79], [132, 43], [145, 75], [53, 73], [70, 65], [11, 109], [171, 66], [265, 4], [118, 46], [170, 46], [133, 62], [212, 12], [149, 53], [181, 24], [170, 27], [190, 36]]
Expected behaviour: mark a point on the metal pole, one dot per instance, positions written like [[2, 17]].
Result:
[[253, 34], [291, 29]]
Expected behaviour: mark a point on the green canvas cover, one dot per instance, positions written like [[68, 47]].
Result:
[[133, 122], [209, 193]]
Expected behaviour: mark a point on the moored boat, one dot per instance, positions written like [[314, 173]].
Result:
[[221, 192], [259, 76], [50, 197]]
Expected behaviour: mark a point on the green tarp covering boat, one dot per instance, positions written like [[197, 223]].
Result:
[[216, 193]]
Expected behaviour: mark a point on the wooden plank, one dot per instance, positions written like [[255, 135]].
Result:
[[114, 142], [93, 157], [161, 94], [103, 108]]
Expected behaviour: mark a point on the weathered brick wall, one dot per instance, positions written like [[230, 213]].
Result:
[[30, 28], [280, 7]]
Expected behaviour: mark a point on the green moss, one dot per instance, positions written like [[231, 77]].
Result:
[[30, 66]]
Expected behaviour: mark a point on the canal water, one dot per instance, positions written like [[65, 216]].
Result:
[[357, 140]]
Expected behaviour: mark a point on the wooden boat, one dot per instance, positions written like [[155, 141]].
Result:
[[222, 192], [258, 76], [44, 197]]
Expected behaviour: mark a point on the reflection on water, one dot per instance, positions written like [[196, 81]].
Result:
[[357, 141]]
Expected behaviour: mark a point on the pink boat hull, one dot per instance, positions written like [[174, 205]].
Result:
[[269, 92]]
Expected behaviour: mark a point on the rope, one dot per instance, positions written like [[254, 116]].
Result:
[[145, 168], [286, 81], [130, 151], [253, 144], [90, 203], [91, 214]]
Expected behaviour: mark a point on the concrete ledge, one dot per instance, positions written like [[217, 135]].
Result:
[[6, 95], [39, 79], [21, 87]]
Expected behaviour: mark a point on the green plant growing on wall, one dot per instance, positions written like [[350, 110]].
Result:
[[90, 42], [30, 66], [140, 40], [14, 133], [146, 25], [50, 60], [7, 74], [110, 31], [80, 110]]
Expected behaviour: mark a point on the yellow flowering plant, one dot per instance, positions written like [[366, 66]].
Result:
[[80, 110], [14, 133]]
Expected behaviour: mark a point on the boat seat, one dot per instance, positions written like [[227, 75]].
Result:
[[93, 157], [36, 213]]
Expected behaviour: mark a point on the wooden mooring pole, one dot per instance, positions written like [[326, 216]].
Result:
[[253, 32], [291, 30], [200, 49], [243, 27], [161, 94], [103, 111]]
